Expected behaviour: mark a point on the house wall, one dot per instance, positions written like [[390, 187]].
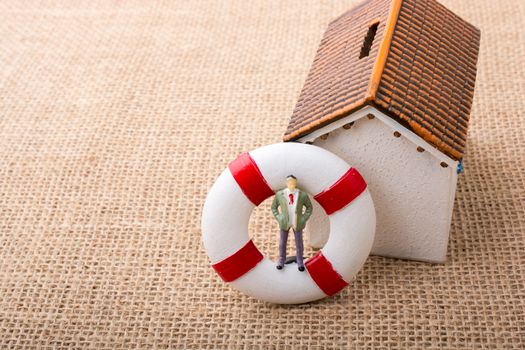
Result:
[[413, 194]]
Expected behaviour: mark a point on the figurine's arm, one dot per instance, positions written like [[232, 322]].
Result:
[[275, 205], [308, 205]]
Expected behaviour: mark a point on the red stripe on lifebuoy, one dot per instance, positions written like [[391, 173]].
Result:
[[324, 275], [342, 192], [250, 179], [239, 262]]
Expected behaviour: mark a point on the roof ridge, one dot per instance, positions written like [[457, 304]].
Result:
[[384, 49]]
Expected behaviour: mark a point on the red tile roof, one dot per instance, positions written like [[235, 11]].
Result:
[[413, 59]]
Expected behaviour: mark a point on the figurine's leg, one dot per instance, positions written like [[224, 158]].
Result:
[[282, 247], [299, 249]]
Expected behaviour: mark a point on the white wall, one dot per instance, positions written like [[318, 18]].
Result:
[[413, 194]]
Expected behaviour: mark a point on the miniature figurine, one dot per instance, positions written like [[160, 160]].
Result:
[[291, 200]]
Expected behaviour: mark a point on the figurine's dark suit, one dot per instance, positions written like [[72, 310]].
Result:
[[297, 224]]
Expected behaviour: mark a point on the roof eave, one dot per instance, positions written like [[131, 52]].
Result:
[[343, 112]]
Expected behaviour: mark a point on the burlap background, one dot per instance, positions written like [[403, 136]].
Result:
[[117, 117]]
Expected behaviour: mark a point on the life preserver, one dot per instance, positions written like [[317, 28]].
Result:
[[257, 175]]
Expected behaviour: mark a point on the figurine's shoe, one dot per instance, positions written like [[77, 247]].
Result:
[[301, 268], [279, 267]]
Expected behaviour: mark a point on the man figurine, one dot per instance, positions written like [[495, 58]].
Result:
[[291, 200]]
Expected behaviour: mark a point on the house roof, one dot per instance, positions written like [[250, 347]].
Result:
[[413, 59]]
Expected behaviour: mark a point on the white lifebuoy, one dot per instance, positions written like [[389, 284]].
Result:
[[255, 176]]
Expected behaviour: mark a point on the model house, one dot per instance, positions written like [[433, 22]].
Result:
[[390, 91]]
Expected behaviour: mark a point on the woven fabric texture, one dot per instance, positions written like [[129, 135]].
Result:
[[117, 117]]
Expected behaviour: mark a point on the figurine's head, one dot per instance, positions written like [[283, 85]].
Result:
[[291, 182]]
